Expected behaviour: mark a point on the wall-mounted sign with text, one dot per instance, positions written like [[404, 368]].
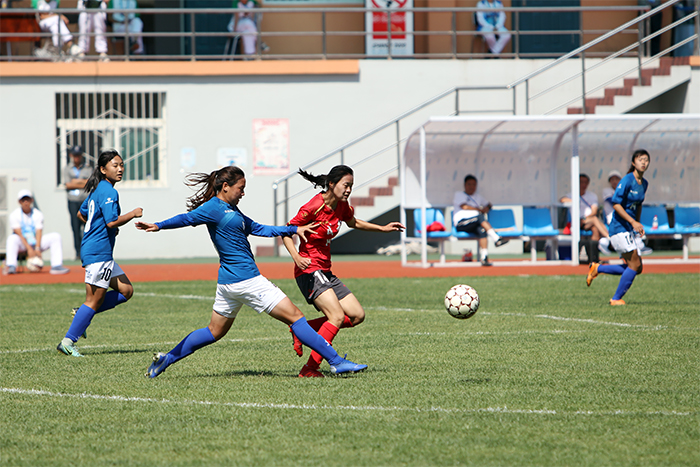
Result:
[[392, 27]]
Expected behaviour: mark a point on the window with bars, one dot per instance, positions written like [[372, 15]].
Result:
[[131, 122]]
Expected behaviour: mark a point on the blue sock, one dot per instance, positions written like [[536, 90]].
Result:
[[614, 269], [311, 339], [81, 321], [625, 283], [194, 341], [112, 299]]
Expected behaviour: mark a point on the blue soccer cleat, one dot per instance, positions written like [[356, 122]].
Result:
[[160, 363], [346, 366], [67, 347]]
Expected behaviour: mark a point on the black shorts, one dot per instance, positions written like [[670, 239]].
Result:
[[314, 284], [472, 226]]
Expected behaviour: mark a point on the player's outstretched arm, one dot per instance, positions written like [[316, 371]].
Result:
[[302, 230], [301, 262], [124, 218], [147, 226], [364, 225]]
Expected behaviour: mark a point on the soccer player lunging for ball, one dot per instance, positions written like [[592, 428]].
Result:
[[627, 204], [240, 282]]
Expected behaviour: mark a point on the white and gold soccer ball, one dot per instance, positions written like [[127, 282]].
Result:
[[34, 264], [462, 301]]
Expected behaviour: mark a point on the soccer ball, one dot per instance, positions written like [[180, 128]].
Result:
[[462, 301], [34, 264]]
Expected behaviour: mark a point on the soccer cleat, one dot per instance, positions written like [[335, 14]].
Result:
[[59, 270], [158, 366], [645, 251], [11, 270], [592, 273], [346, 366], [307, 372], [298, 347], [501, 241], [603, 247], [486, 262], [73, 311], [617, 302], [68, 348]]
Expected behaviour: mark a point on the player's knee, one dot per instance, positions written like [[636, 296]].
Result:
[[127, 291], [639, 269], [358, 319]]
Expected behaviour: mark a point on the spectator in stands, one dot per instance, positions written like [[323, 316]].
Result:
[[244, 23], [89, 22], [588, 212], [120, 23], [75, 175], [57, 25], [27, 224], [468, 212], [614, 178], [490, 23]]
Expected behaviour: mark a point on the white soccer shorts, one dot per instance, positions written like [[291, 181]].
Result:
[[624, 242], [99, 274], [258, 293]]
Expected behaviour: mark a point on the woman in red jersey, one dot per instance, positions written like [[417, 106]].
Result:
[[312, 263]]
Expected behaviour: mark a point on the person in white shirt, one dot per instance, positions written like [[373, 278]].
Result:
[[89, 22], [588, 212], [468, 212], [490, 23], [27, 224], [132, 21]]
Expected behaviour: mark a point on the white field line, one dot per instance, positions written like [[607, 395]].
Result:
[[257, 405], [148, 344]]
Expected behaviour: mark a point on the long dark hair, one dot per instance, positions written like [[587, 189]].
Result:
[[97, 176], [323, 181], [636, 154], [211, 184]]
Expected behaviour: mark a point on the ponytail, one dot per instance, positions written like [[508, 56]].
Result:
[[323, 181], [211, 184], [97, 176]]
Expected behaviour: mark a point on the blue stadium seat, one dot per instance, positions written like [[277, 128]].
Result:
[[647, 219], [504, 219], [537, 224], [431, 215], [686, 223]]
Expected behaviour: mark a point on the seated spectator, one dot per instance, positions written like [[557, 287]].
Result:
[[27, 224], [468, 212], [588, 213], [89, 22], [490, 23], [614, 178], [57, 25], [120, 23], [244, 22]]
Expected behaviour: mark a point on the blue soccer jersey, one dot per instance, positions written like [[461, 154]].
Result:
[[100, 208], [630, 195], [228, 229]]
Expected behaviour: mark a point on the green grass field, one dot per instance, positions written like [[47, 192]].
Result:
[[546, 373]]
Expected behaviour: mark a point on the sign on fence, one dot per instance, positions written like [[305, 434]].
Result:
[[389, 30]]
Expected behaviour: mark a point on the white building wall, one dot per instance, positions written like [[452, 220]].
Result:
[[208, 113]]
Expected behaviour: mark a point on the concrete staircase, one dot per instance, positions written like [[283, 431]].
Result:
[[671, 73]]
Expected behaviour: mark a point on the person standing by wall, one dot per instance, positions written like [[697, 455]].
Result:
[[89, 22], [75, 175]]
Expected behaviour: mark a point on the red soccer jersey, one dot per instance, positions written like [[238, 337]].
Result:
[[318, 246]]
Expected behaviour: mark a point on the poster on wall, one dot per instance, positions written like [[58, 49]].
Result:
[[378, 27], [270, 146]]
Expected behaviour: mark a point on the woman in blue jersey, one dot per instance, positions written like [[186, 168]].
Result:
[[240, 282], [625, 225], [102, 216]]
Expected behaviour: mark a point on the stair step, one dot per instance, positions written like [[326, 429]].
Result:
[[381, 191], [362, 201]]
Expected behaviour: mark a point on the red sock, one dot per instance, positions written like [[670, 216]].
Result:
[[317, 323], [328, 331], [347, 322]]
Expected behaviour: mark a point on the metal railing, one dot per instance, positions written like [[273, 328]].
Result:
[[391, 144], [640, 45], [458, 36]]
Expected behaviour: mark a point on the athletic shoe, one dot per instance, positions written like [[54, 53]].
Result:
[[298, 346], [646, 251], [603, 247], [617, 302], [76, 52], [158, 366], [72, 313], [307, 372], [486, 262], [59, 270], [11, 270], [104, 57], [501, 241], [68, 348], [346, 366], [592, 273]]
